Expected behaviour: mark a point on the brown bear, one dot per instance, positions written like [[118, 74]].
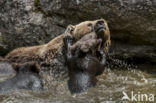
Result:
[[86, 43], [83, 65], [100, 27], [49, 56]]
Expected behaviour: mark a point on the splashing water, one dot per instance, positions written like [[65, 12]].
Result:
[[109, 87]]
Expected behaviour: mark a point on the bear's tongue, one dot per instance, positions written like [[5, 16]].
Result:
[[100, 33]]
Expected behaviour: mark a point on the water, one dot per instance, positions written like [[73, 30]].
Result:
[[109, 88]]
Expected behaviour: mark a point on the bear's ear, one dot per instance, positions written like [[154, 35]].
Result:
[[71, 28]]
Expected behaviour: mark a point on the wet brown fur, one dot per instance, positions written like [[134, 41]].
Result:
[[82, 29], [86, 43], [47, 52]]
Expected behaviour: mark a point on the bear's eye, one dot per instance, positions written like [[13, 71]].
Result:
[[71, 31], [89, 24]]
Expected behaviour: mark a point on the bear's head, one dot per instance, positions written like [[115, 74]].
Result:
[[100, 27]]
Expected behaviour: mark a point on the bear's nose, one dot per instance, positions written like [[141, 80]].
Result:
[[99, 25], [100, 22]]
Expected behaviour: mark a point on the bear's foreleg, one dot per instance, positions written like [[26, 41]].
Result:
[[68, 42], [102, 57]]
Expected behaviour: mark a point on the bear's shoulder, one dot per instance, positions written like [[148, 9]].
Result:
[[25, 54]]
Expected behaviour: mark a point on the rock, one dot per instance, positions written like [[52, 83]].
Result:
[[21, 25], [28, 22], [133, 53], [130, 20]]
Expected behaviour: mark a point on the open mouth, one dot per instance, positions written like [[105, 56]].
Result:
[[100, 30]]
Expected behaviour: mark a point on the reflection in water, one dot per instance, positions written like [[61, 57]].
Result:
[[109, 88]]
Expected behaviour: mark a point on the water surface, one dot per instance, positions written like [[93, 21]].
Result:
[[110, 86]]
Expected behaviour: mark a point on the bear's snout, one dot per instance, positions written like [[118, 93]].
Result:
[[99, 26]]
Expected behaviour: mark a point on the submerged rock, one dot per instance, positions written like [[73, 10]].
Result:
[[33, 22]]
